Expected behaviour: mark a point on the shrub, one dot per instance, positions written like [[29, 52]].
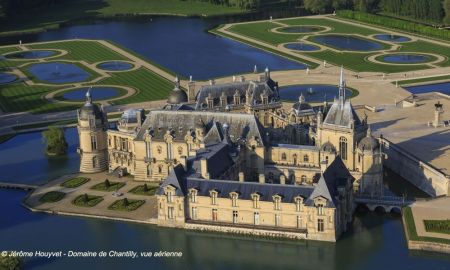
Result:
[[52, 196], [126, 205], [75, 182], [86, 200]]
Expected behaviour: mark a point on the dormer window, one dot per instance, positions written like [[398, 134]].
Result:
[[277, 202], [298, 203], [320, 209], [255, 199], [234, 198], [169, 195], [213, 194], [193, 192]]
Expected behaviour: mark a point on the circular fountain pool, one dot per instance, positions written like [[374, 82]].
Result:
[[115, 66], [301, 29], [97, 93], [33, 54], [304, 47], [400, 58], [58, 72], [392, 38], [7, 78], [312, 92]]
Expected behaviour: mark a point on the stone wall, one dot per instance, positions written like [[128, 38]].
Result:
[[419, 173]]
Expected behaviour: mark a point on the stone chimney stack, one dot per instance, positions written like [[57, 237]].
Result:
[[262, 178], [241, 177], [282, 179], [204, 168]]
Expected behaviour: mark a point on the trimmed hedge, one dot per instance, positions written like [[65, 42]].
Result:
[[395, 23], [439, 226]]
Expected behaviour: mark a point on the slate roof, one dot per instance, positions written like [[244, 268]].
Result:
[[297, 146], [341, 115], [158, 122], [246, 189], [218, 160], [175, 179], [229, 90]]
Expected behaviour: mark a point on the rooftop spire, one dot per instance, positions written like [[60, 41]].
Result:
[[342, 87], [369, 131], [88, 96]]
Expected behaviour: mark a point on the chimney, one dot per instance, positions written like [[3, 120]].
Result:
[[262, 178], [241, 177], [204, 168]]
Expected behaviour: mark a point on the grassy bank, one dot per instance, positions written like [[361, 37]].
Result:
[[75, 10], [425, 80]]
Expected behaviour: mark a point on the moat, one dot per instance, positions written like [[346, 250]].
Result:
[[372, 238]]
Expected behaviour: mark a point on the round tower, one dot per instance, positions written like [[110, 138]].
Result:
[[92, 127]]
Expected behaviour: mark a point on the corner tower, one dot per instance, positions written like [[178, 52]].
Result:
[[92, 126]]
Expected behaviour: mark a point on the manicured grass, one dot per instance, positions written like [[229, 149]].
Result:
[[430, 79], [358, 62], [261, 31], [412, 232], [72, 10], [337, 27], [438, 226], [52, 196], [150, 190], [126, 205], [81, 50], [9, 49], [427, 47], [86, 200], [75, 182], [113, 186], [20, 97], [149, 85]]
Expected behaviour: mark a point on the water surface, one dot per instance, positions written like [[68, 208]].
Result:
[[115, 66], [97, 93], [405, 58], [392, 38], [437, 87], [348, 42], [58, 72], [297, 46], [32, 54], [7, 78]]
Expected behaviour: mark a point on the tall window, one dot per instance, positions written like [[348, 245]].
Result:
[[235, 216], [93, 142], [294, 159], [298, 204], [169, 196], [214, 214], [213, 194], [256, 218], [109, 141], [277, 220], [276, 202], [94, 162], [234, 199], [299, 222], [343, 148], [124, 144], [255, 199], [169, 151], [193, 196], [170, 212], [283, 156], [194, 213], [320, 226], [320, 210], [148, 149], [303, 178]]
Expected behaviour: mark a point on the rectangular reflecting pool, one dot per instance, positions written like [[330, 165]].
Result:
[[427, 88]]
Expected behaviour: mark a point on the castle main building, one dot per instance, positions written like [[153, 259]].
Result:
[[229, 158]]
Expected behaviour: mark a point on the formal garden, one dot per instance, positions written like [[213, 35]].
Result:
[[87, 200], [54, 76], [52, 196], [126, 204], [359, 47]]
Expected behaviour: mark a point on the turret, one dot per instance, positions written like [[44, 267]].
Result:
[[92, 126]]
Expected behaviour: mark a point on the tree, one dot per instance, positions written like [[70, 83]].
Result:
[[107, 183], [125, 202], [435, 11], [447, 12], [85, 198], [145, 187], [56, 143], [9, 262], [317, 6]]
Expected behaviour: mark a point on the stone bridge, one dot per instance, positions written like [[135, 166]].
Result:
[[383, 203]]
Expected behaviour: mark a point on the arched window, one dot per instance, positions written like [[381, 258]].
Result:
[[94, 162], [283, 156], [305, 158], [294, 159], [343, 148]]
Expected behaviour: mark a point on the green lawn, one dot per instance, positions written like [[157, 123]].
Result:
[[355, 61], [126, 205], [112, 186], [146, 189], [81, 50], [430, 79], [52, 196], [72, 10], [412, 232], [149, 85], [75, 182], [86, 200]]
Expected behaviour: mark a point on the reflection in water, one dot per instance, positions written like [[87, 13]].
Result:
[[373, 242], [23, 159]]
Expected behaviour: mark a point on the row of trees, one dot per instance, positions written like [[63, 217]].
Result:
[[428, 10]]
